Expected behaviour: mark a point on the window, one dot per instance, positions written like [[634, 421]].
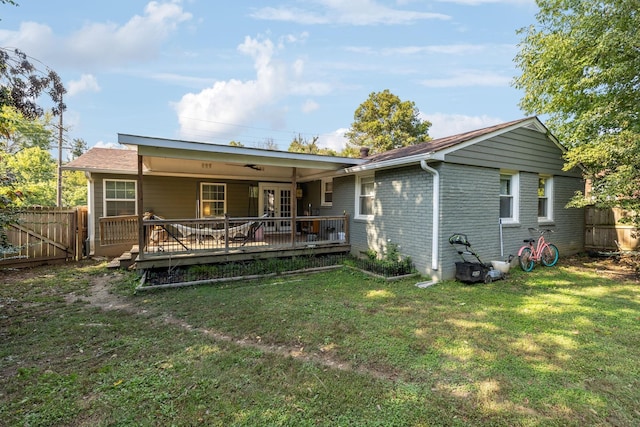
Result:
[[365, 189], [509, 186], [545, 198], [213, 201], [120, 197], [327, 192]]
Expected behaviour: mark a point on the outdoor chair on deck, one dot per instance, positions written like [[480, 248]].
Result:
[[242, 233], [250, 236]]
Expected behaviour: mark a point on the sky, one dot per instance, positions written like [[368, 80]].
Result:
[[262, 72]]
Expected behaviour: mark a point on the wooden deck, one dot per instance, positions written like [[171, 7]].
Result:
[[238, 254], [171, 243]]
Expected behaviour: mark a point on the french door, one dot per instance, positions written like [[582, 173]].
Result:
[[275, 202]]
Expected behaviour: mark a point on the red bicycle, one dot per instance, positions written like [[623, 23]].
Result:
[[544, 252]]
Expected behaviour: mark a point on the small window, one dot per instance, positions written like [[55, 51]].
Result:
[[327, 192], [509, 197], [213, 201], [120, 197], [545, 198], [365, 196]]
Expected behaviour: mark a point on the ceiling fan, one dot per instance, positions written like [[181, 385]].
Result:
[[248, 165]]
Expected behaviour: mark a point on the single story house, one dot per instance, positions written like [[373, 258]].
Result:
[[491, 184]]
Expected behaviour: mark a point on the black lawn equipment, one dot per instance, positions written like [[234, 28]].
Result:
[[472, 271]]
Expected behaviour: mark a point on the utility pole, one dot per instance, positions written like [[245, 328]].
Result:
[[59, 193]]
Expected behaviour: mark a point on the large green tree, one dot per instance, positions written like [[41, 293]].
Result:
[[18, 132], [35, 174], [581, 67], [384, 122]]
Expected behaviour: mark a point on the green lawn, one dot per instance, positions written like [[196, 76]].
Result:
[[556, 346]]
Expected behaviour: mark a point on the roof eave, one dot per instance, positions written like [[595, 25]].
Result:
[[393, 163], [100, 170], [149, 146]]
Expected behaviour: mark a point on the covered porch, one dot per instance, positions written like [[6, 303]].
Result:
[[203, 203]]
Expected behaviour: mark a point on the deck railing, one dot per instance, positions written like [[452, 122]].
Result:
[[116, 230], [168, 236]]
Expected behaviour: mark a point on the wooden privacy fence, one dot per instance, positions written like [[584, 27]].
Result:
[[45, 234], [603, 229]]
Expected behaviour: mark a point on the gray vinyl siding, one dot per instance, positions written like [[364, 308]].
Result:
[[519, 150], [172, 197], [99, 191]]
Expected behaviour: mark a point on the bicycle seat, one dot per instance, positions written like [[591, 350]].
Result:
[[529, 240]]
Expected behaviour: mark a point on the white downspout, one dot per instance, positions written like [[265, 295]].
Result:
[[91, 211], [435, 240]]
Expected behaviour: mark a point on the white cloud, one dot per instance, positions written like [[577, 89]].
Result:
[[335, 140], [102, 144], [465, 78], [443, 125], [101, 44], [87, 83], [224, 108], [353, 12], [309, 106]]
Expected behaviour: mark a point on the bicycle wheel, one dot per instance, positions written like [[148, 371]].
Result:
[[526, 260], [550, 255]]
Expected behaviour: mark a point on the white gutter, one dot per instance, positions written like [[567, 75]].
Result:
[[435, 228], [392, 163]]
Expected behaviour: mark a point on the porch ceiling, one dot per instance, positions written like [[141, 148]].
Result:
[[176, 157]]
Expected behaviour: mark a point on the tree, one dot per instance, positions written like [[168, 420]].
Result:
[[384, 122], [35, 174], [78, 148], [236, 144], [21, 83], [303, 145], [267, 144], [18, 132], [9, 196], [580, 67], [74, 191]]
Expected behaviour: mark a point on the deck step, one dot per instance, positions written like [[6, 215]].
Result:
[[125, 260], [114, 263]]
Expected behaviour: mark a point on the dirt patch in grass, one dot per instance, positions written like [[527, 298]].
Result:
[[623, 268], [101, 296]]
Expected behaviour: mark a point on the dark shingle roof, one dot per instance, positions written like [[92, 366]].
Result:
[[106, 159], [440, 143]]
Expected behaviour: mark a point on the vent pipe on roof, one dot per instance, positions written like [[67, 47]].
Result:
[[364, 152]]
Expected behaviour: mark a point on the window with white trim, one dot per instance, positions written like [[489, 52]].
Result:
[[213, 199], [545, 198], [509, 197], [326, 196], [365, 196], [120, 197]]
